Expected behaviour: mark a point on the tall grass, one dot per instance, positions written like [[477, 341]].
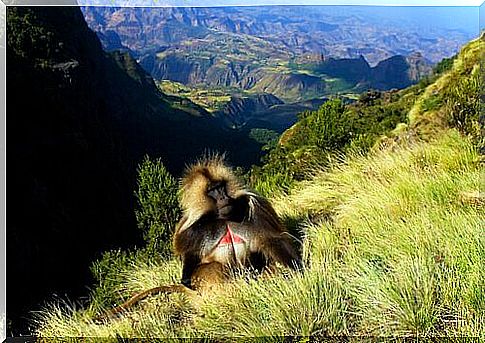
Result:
[[394, 246]]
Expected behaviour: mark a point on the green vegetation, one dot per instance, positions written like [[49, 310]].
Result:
[[453, 99], [25, 35], [264, 136], [445, 65], [331, 130], [386, 191], [395, 247], [338, 86], [462, 105], [288, 86], [226, 63], [158, 207], [210, 99], [158, 211], [320, 136]]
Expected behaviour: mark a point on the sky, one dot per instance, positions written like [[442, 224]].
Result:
[[300, 2], [309, 2], [475, 3]]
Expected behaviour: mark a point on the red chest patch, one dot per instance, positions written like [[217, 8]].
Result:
[[230, 237]]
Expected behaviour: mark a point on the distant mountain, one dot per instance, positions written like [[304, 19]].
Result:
[[305, 81], [394, 72], [399, 71], [80, 120], [376, 33], [293, 55], [353, 70], [217, 70]]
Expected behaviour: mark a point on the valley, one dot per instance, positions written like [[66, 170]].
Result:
[[215, 57]]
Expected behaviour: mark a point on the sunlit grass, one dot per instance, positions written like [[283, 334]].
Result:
[[395, 248]]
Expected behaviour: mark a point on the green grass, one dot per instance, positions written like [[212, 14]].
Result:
[[394, 247], [453, 99]]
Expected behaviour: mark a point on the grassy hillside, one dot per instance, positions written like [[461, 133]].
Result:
[[393, 235], [394, 247]]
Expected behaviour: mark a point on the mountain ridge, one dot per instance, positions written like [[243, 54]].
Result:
[[308, 29]]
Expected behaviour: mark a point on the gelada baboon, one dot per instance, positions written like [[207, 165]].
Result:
[[224, 229]]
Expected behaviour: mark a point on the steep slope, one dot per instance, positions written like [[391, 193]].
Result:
[[79, 123], [267, 69], [394, 245], [289, 86], [352, 70], [399, 72], [450, 98], [243, 109]]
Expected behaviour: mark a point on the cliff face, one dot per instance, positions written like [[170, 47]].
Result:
[[394, 72], [79, 123], [391, 73], [176, 68], [419, 66], [213, 72], [399, 71], [289, 86]]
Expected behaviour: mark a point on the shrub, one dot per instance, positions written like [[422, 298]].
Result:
[[158, 209], [444, 65], [332, 130], [157, 214]]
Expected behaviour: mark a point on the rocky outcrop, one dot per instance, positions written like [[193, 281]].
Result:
[[216, 73], [193, 71], [399, 71], [391, 73], [289, 87], [419, 66]]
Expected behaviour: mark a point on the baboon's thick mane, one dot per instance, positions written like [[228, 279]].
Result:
[[194, 185]]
